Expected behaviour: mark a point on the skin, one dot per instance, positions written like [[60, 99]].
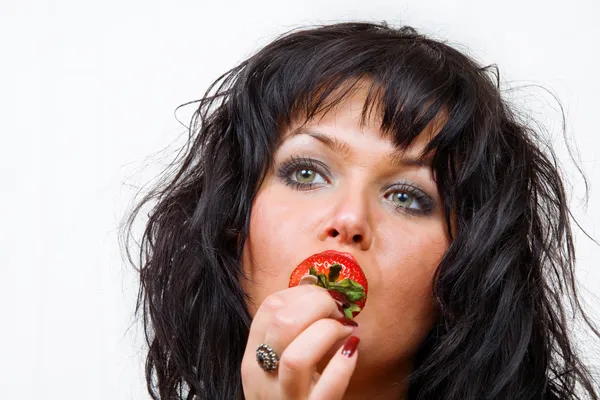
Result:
[[347, 209]]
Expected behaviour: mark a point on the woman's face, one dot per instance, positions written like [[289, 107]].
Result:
[[338, 186]]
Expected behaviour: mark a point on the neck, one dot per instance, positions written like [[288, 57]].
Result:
[[391, 385]]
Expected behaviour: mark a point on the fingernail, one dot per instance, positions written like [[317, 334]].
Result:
[[339, 297], [350, 346], [346, 321], [308, 280]]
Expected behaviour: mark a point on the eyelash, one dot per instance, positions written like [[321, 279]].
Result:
[[294, 163]]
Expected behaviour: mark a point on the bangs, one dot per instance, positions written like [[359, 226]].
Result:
[[401, 118], [410, 83]]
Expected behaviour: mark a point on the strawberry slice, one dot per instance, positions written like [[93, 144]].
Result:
[[340, 274]]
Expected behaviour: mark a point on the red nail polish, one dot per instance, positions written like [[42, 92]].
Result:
[[346, 321], [340, 297], [350, 346]]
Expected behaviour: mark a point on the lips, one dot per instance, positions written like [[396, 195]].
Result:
[[346, 277]]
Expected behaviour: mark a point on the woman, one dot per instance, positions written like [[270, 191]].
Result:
[[398, 151]]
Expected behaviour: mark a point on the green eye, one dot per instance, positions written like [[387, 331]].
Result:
[[305, 175], [407, 198], [403, 199]]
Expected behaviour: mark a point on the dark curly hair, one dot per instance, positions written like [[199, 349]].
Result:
[[505, 289]]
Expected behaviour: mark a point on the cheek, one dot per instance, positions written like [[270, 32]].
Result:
[[270, 250], [415, 261], [407, 269], [420, 252]]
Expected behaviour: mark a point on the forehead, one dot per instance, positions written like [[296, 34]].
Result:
[[355, 111]]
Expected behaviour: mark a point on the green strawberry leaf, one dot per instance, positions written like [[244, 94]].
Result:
[[334, 272], [322, 281], [354, 291], [354, 307], [348, 312]]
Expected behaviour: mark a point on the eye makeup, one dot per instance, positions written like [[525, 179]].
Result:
[[409, 198]]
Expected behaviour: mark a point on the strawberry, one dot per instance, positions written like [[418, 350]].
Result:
[[340, 274]]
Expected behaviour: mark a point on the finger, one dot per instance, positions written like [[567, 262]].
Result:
[[268, 308], [293, 318], [334, 380], [299, 360], [272, 303], [252, 372]]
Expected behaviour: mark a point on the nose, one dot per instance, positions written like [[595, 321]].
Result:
[[348, 224]]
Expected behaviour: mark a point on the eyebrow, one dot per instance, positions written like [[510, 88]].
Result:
[[397, 157]]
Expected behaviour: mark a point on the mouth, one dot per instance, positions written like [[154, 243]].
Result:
[[341, 256], [338, 271]]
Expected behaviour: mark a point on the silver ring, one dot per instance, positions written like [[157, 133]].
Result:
[[267, 358]]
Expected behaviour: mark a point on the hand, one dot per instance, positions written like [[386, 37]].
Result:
[[301, 324]]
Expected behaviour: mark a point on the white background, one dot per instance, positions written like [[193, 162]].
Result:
[[87, 93]]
